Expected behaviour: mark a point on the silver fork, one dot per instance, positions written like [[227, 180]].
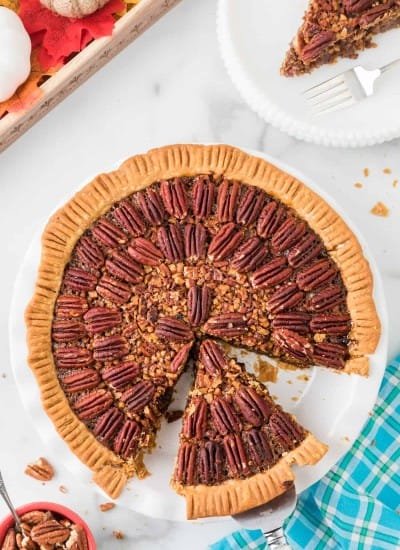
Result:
[[4, 494], [345, 89]]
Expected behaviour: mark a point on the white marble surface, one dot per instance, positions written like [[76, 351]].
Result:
[[169, 86]]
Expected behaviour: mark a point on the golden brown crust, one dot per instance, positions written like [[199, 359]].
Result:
[[239, 495], [69, 223]]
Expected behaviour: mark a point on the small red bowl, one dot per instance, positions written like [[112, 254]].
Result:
[[8, 521]]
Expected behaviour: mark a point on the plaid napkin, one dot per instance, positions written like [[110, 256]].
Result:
[[356, 506]]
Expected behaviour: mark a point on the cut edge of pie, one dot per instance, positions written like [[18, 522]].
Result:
[[68, 224], [329, 33]]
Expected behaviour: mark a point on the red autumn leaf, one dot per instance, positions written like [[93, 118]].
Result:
[[58, 37]]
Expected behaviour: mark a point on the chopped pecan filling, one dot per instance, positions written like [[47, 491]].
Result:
[[187, 258], [334, 28]]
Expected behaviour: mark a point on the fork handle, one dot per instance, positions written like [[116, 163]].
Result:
[[277, 539], [390, 65], [6, 498]]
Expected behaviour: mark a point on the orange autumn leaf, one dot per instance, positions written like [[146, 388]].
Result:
[[11, 4], [29, 92]]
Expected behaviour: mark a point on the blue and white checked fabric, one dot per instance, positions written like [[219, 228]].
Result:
[[356, 506]]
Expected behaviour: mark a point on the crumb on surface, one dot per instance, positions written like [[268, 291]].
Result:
[[395, 183], [63, 489], [380, 209], [294, 398], [373, 443], [303, 377], [346, 438], [366, 172], [387, 171], [289, 381], [106, 506], [265, 372], [118, 534], [358, 185]]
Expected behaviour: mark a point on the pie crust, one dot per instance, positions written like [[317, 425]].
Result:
[[68, 224]]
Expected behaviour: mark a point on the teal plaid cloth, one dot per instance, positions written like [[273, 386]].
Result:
[[356, 506]]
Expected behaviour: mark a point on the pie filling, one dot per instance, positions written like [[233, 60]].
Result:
[[334, 29], [184, 259]]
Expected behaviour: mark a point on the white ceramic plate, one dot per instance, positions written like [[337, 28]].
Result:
[[333, 407], [254, 36]]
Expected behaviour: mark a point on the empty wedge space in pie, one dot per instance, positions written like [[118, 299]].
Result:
[[333, 29], [178, 251]]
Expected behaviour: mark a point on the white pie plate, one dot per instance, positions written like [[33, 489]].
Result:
[[254, 36], [334, 407]]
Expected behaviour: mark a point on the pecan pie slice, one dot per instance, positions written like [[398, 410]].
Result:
[[183, 243], [334, 29], [236, 443]]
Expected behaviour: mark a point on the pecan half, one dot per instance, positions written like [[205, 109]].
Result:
[[69, 305], [108, 348], [170, 241], [296, 321], [49, 532], [173, 330], [100, 319], [227, 324], [319, 273], [140, 395], [194, 239], [127, 440], [224, 417], [271, 217], [89, 253], [195, 422], [85, 379], [9, 541], [330, 355], [273, 273], [35, 517], [41, 470], [325, 299], [185, 470], [227, 198], [152, 206], [357, 6], [288, 235], [252, 406], [145, 252], [212, 357], [224, 242], [129, 218], [317, 44], [109, 234], [259, 448], [119, 376], [125, 268], [67, 331], [305, 251], [236, 455], [198, 302], [113, 290], [285, 297], [78, 535], [250, 255], [250, 205], [203, 197], [375, 13], [293, 344], [108, 424], [180, 358], [93, 404], [73, 357], [174, 195], [331, 323], [285, 430], [80, 280], [211, 459]]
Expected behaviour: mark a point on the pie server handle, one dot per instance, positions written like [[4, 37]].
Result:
[[276, 539]]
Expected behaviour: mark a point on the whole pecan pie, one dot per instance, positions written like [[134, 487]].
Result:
[[183, 244], [334, 28]]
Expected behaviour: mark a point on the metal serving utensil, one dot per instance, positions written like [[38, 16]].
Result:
[[6, 498], [269, 518]]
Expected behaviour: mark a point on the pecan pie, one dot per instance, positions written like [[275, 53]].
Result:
[[333, 29], [186, 243], [236, 444]]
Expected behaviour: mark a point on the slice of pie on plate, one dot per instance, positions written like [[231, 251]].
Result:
[[236, 443], [333, 29], [184, 243]]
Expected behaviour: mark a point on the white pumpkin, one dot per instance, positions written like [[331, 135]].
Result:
[[15, 53], [74, 8]]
